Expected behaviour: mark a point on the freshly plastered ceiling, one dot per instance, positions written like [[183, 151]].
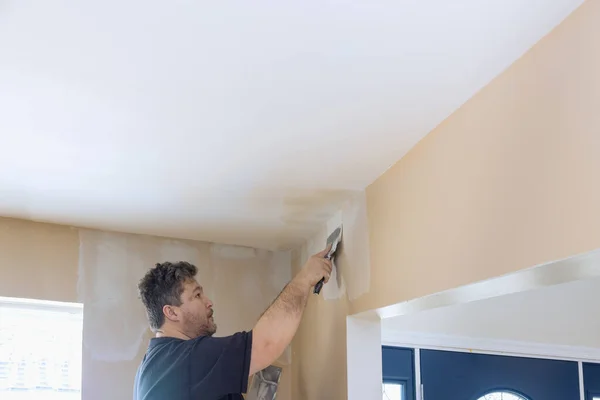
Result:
[[237, 122]]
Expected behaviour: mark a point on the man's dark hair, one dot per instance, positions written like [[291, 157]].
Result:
[[163, 285]]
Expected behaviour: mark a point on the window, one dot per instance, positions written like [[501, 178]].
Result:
[[502, 396], [393, 391], [40, 350]]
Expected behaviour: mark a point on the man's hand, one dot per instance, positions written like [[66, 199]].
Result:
[[316, 268]]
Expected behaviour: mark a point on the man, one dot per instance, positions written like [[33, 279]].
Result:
[[184, 361]]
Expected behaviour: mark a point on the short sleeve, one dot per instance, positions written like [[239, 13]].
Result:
[[221, 365]]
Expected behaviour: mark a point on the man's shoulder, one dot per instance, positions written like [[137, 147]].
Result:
[[171, 347], [169, 352], [162, 372], [206, 366], [166, 351], [160, 342]]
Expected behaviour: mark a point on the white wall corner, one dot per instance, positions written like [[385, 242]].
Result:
[[364, 357]]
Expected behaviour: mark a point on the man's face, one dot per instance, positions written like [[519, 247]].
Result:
[[197, 313]]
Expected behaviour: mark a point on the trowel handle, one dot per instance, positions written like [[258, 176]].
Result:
[[318, 286]]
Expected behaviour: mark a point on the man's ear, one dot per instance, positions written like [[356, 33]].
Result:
[[171, 313]]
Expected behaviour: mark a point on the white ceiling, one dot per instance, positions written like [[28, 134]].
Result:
[[237, 122], [563, 315]]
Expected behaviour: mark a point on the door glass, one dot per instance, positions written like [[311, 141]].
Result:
[[393, 391], [502, 396]]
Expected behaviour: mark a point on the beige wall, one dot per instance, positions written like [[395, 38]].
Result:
[[101, 269], [38, 261], [319, 351], [508, 181]]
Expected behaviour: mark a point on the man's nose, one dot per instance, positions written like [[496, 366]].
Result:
[[209, 303]]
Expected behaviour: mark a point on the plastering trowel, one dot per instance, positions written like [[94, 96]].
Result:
[[334, 239]]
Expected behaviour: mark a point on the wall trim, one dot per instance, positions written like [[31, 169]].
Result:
[[490, 346], [418, 383], [581, 384], [575, 268], [364, 361]]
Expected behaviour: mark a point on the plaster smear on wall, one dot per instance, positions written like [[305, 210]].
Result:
[[110, 266], [248, 281], [336, 287], [241, 282], [351, 274], [355, 257]]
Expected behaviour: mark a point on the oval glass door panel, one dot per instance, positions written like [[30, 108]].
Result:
[[502, 396]]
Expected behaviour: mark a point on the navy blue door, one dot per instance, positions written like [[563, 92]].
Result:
[[398, 369], [466, 376], [591, 380]]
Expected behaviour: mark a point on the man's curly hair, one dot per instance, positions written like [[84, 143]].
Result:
[[163, 285]]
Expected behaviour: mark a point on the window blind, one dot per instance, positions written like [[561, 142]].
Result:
[[40, 350]]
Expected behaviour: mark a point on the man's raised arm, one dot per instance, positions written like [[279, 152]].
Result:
[[277, 326]]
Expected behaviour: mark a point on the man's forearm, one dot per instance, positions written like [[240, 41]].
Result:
[[280, 321], [278, 324]]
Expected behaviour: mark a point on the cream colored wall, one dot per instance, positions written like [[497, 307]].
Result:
[[101, 270], [38, 261], [506, 182], [316, 346], [319, 351]]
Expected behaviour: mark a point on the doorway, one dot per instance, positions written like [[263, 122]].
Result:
[[448, 375]]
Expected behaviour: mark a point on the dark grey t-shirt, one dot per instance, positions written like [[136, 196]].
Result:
[[206, 368]]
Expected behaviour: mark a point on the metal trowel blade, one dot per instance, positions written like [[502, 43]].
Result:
[[334, 239]]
